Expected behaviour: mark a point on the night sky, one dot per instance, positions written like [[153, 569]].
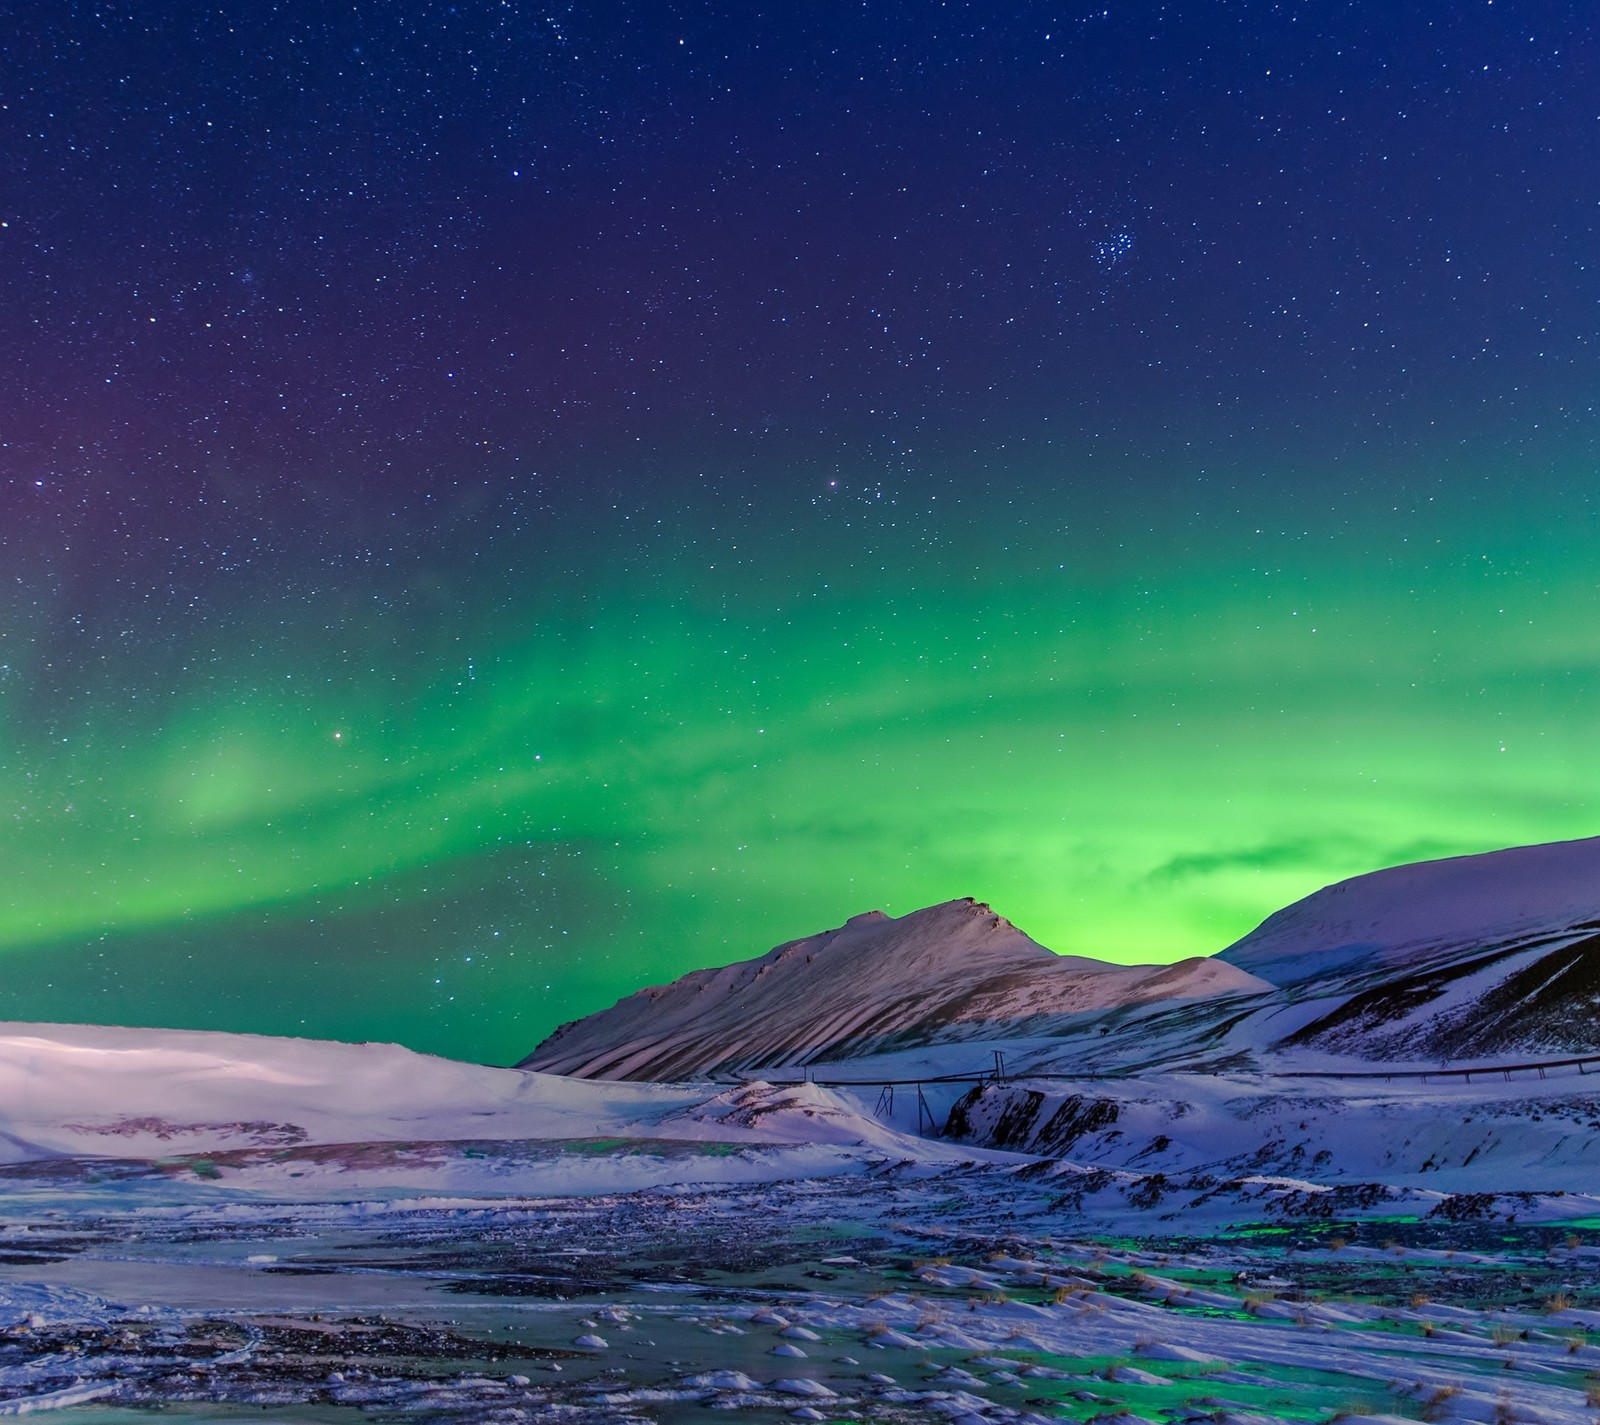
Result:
[[500, 505]]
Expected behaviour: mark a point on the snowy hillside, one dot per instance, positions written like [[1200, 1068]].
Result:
[[1457, 959], [84, 1090], [949, 973], [1525, 895], [1445, 1136]]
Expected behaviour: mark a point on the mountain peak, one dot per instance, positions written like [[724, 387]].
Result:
[[952, 970]]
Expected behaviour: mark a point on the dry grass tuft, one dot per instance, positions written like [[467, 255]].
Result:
[[1435, 1404]]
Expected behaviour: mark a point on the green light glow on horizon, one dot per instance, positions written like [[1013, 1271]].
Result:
[[1137, 767]]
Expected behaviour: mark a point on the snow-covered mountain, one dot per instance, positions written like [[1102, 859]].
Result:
[[1460, 960], [1455, 959], [951, 973], [1393, 917]]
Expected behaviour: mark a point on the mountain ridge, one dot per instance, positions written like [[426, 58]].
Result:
[[945, 970], [1431, 962]]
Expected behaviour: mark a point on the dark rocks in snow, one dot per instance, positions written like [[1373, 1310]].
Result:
[[1011, 1116]]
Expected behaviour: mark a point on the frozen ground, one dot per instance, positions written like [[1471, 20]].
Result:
[[889, 1291]]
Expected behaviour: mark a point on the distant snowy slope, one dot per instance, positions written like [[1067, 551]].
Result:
[[1487, 1136], [1388, 918], [1445, 960], [950, 972], [68, 1088], [87, 1090]]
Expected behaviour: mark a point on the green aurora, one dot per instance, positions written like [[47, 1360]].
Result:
[[502, 507], [459, 829]]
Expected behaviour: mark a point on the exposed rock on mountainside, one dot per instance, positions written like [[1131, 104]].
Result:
[[950, 972]]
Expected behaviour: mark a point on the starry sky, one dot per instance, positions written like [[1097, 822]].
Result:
[[502, 504]]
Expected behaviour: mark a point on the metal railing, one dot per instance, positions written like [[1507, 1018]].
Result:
[[1505, 1071]]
